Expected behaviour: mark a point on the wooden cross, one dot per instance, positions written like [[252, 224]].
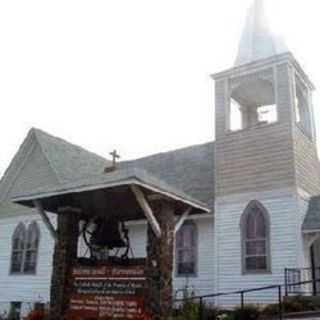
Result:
[[114, 156]]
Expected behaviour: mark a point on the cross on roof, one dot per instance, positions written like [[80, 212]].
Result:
[[115, 156]]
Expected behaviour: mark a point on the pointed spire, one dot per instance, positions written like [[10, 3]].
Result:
[[257, 41]]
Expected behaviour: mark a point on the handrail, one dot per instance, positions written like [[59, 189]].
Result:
[[219, 294]]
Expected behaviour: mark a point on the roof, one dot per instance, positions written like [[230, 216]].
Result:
[[257, 40], [117, 178], [311, 221], [190, 169], [46, 166], [76, 161], [46, 160]]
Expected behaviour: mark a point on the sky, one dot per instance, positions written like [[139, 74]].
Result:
[[129, 75]]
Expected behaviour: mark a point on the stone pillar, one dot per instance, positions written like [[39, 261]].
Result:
[[64, 257], [159, 264]]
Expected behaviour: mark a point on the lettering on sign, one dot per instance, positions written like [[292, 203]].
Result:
[[108, 292]]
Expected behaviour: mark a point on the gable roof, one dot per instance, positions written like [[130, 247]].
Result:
[[45, 160], [46, 165]]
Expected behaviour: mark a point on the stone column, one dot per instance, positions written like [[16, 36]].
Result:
[[64, 257], [159, 264]]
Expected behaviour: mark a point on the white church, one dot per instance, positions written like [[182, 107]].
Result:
[[260, 178]]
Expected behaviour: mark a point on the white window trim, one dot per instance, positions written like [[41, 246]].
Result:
[[194, 250], [244, 240]]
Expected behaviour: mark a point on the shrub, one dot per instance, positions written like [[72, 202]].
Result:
[[297, 304], [211, 312], [271, 310], [249, 312], [224, 316], [188, 311]]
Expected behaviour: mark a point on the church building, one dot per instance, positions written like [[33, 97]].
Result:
[[260, 178]]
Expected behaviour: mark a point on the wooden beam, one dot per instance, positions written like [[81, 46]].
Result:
[[69, 209], [182, 219], [146, 210], [45, 219]]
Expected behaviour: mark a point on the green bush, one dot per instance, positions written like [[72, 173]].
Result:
[[298, 304], [225, 316], [249, 312], [270, 310], [188, 311], [211, 312]]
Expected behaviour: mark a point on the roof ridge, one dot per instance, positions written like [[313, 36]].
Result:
[[42, 132], [169, 151]]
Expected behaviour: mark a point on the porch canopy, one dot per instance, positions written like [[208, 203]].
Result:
[[124, 192]]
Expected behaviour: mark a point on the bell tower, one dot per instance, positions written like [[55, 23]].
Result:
[[264, 116], [265, 153]]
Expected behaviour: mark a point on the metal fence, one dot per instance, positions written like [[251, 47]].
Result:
[[244, 298], [295, 275]]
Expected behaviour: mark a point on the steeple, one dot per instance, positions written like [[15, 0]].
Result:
[[257, 41]]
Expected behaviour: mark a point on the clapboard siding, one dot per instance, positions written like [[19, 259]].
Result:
[[24, 288], [203, 282], [30, 289], [306, 162], [282, 206], [258, 158]]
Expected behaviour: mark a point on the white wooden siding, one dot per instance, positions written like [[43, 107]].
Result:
[[30, 289], [282, 206], [24, 288]]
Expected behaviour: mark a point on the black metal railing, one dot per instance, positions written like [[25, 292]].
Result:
[[269, 295], [295, 275]]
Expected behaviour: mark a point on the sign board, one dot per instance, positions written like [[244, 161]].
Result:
[[107, 292]]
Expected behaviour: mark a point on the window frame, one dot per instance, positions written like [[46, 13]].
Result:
[[244, 240], [20, 228], [194, 249], [33, 226]]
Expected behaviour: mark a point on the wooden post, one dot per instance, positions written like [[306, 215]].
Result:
[[64, 257], [159, 264]]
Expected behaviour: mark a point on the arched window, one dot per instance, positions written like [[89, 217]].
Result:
[[18, 245], [186, 250], [25, 244], [255, 239], [31, 250]]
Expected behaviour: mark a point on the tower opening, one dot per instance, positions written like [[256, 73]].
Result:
[[252, 103], [302, 106]]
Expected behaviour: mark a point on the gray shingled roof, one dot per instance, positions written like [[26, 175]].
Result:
[[45, 160], [69, 161], [120, 177], [190, 169], [312, 219], [187, 172]]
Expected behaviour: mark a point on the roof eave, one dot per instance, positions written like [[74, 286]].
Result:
[[38, 196], [254, 66]]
